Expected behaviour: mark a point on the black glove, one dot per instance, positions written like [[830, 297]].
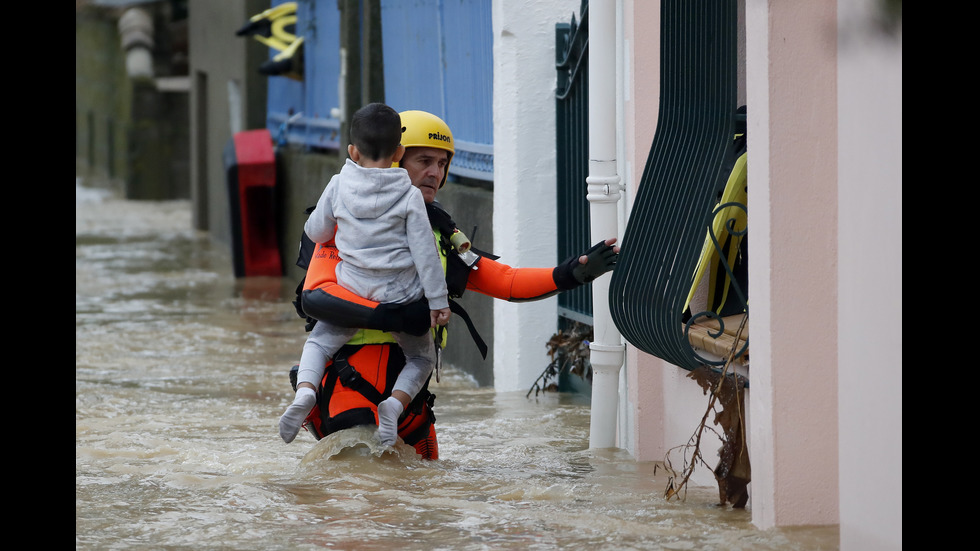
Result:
[[570, 273], [602, 258]]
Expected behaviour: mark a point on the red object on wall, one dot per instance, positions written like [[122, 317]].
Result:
[[250, 162]]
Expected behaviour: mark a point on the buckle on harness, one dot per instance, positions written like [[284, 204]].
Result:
[[346, 373]]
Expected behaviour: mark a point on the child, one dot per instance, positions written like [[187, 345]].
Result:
[[389, 255]]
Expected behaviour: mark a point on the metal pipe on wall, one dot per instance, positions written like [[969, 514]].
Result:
[[604, 186], [136, 35]]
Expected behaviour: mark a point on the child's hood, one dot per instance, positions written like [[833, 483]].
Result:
[[373, 191]]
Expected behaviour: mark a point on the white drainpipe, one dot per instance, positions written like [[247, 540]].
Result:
[[136, 34], [607, 349]]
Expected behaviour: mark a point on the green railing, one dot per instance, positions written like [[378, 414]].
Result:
[[572, 141], [686, 173]]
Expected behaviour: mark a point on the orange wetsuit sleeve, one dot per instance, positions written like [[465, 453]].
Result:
[[501, 281]]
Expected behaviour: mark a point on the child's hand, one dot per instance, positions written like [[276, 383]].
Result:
[[440, 317]]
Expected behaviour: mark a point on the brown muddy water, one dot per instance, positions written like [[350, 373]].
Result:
[[181, 374]]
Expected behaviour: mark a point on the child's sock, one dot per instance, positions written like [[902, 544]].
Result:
[[292, 420], [388, 413]]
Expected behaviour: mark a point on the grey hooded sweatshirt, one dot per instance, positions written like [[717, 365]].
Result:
[[378, 221]]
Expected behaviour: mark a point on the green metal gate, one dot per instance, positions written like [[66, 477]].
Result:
[[572, 142]]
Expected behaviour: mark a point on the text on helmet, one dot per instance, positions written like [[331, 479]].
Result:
[[440, 136]]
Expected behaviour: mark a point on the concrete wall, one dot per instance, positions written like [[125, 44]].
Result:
[[102, 99], [228, 95], [472, 206], [158, 156], [302, 179], [131, 130]]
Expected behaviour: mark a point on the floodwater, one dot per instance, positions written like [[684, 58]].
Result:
[[181, 372]]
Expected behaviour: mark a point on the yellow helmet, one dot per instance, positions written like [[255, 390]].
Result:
[[423, 129]]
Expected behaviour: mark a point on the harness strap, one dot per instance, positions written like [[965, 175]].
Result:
[[343, 371], [457, 309]]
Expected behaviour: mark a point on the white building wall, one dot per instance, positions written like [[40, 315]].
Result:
[[524, 177], [870, 274]]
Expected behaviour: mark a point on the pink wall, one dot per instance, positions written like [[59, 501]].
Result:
[[644, 372], [792, 91]]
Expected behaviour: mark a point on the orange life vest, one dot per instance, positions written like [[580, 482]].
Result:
[[352, 388]]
